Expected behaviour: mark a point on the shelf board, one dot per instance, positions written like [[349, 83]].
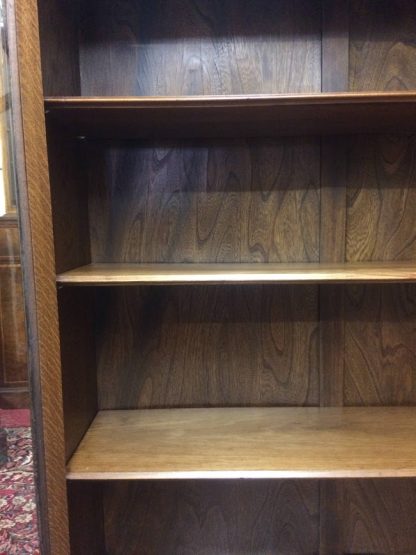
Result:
[[235, 116], [136, 274], [248, 443]]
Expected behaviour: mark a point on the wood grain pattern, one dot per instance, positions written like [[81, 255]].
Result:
[[234, 116], [380, 355], [230, 201], [153, 274], [79, 373], [207, 346], [58, 27], [382, 45], [221, 518], [247, 443], [335, 45], [376, 518], [69, 198], [39, 273], [381, 199], [190, 47]]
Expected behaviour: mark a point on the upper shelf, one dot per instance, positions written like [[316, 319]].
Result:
[[235, 116], [136, 274]]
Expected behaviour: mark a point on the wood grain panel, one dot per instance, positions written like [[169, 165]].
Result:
[[382, 45], [380, 353], [69, 197], [228, 201], [207, 346], [79, 380], [58, 23], [222, 518], [377, 518], [191, 47], [34, 209], [381, 198]]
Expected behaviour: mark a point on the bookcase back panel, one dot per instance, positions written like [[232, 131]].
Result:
[[380, 345], [226, 518], [188, 47], [222, 201], [381, 198], [207, 346], [369, 516], [382, 45]]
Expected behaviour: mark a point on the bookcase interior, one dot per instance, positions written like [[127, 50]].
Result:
[[237, 200]]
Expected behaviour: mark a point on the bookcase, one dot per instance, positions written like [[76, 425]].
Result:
[[218, 205]]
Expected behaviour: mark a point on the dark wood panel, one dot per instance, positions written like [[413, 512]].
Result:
[[381, 199], [335, 45], [228, 201], [380, 352], [382, 45], [76, 319], [58, 22], [207, 346], [378, 518], [212, 517], [69, 197], [86, 518], [190, 47]]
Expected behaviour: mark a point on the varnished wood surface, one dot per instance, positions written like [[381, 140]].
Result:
[[187, 47], [135, 274], [247, 443], [204, 346], [204, 201], [224, 517], [382, 38], [234, 116]]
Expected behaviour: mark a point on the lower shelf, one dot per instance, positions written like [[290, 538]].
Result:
[[248, 443]]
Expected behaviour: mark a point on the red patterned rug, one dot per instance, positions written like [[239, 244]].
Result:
[[18, 522]]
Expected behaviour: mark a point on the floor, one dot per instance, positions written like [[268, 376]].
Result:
[[18, 522]]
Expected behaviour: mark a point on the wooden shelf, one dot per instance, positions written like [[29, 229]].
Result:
[[248, 443], [256, 115], [136, 274]]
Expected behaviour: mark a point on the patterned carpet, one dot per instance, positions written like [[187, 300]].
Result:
[[18, 523]]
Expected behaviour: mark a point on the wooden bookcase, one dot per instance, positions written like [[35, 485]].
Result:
[[220, 266]]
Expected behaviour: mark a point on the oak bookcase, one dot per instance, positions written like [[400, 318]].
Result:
[[218, 202]]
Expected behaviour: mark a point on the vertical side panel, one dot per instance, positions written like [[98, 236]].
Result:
[[39, 276]]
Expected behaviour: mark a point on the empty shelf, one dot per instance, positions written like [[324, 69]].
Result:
[[135, 274], [234, 116], [248, 443]]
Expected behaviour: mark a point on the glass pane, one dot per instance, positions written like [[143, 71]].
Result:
[[18, 518]]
